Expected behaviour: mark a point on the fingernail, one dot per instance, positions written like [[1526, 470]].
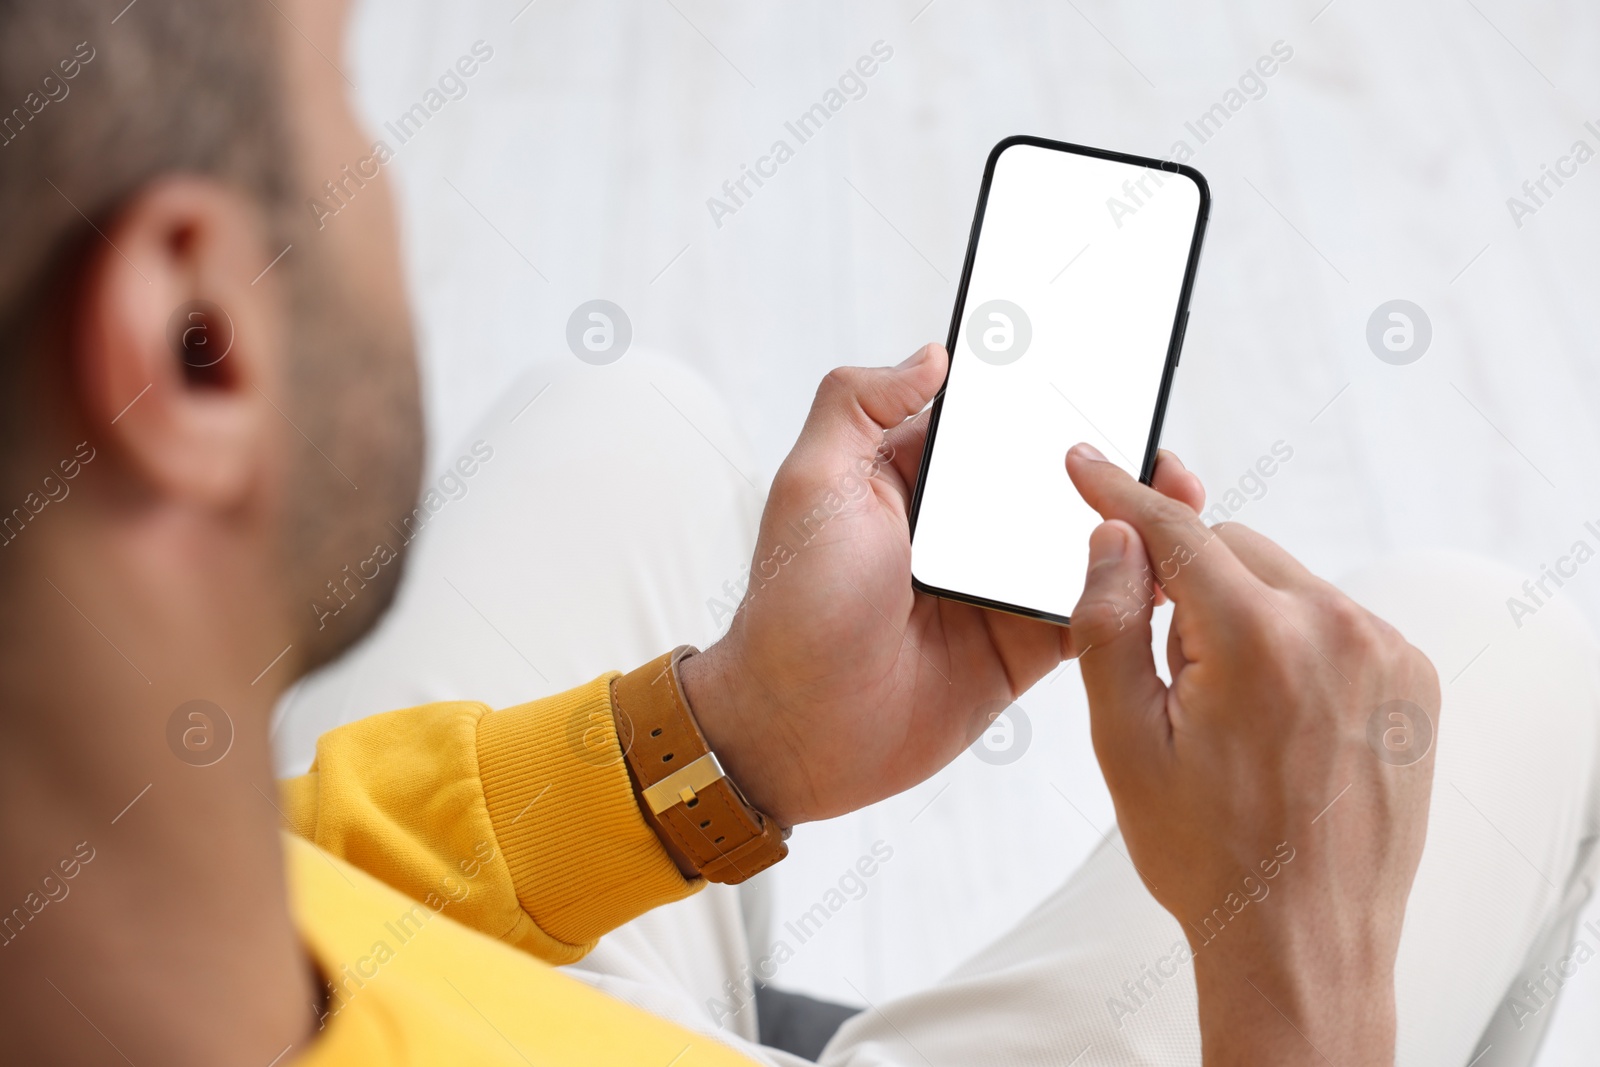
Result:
[[1107, 544], [1083, 448], [913, 359]]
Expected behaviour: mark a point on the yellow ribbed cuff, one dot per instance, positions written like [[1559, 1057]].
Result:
[[582, 857]]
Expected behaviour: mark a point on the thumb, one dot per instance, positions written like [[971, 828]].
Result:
[[870, 400], [1111, 631]]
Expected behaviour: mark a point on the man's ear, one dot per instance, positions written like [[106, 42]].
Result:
[[176, 343]]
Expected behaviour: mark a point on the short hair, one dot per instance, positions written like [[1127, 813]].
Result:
[[95, 104]]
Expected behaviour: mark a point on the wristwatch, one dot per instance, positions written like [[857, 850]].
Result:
[[685, 794]]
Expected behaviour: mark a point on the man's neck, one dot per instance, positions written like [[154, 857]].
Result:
[[142, 906]]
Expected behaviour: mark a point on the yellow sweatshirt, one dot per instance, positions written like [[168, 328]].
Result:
[[445, 856]]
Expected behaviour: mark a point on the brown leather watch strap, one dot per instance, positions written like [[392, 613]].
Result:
[[683, 791]]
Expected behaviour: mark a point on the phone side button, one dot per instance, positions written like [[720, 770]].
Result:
[[1183, 332]]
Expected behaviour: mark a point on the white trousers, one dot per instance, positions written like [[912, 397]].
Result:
[[622, 498]]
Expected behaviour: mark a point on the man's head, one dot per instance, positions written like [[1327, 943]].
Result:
[[240, 368]]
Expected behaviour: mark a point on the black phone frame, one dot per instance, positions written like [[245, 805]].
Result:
[[1180, 323]]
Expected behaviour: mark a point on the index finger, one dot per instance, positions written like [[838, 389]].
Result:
[[1188, 559]]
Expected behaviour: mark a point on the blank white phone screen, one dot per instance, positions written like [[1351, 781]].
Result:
[[1069, 314]]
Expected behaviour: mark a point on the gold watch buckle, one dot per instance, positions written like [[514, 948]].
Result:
[[681, 785]]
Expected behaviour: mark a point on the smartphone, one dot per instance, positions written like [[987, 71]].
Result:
[[1067, 327]]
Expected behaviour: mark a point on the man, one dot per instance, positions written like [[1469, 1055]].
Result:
[[178, 509]]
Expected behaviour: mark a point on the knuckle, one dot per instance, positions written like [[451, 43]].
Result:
[[1099, 618], [1165, 510], [1258, 630], [1283, 646], [1424, 676], [840, 382], [1365, 641], [1274, 639], [1345, 621], [1389, 639]]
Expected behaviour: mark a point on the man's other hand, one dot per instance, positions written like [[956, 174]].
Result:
[[837, 685], [1252, 803]]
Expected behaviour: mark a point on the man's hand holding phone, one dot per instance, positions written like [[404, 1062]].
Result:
[[1258, 745], [837, 684]]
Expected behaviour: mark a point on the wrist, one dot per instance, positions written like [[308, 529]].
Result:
[[1257, 1005], [684, 792], [730, 709]]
